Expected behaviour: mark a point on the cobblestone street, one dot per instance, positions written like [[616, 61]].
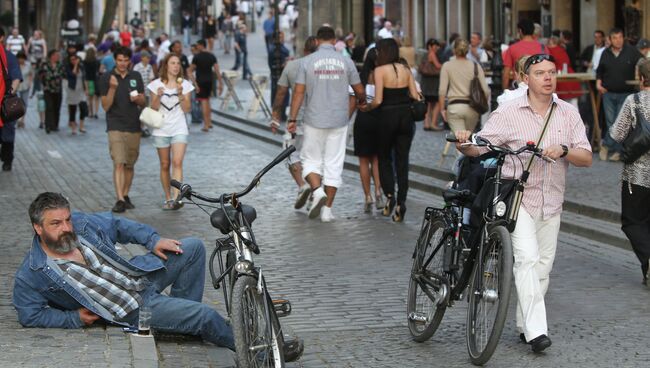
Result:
[[347, 280]]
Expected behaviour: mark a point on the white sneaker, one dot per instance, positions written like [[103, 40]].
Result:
[[326, 214], [303, 195], [318, 201]]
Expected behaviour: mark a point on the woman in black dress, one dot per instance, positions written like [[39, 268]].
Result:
[[365, 138], [210, 32], [394, 90]]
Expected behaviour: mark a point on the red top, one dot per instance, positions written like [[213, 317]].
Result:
[[561, 58], [4, 66], [519, 49], [125, 37]]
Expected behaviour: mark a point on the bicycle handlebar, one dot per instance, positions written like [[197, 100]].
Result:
[[185, 190], [476, 140]]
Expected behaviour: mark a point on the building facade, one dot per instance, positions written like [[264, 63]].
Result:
[[420, 20]]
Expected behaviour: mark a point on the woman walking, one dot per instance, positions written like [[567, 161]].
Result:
[[455, 79], [170, 95], [51, 75], [91, 68], [76, 94], [635, 189], [430, 82], [365, 137], [394, 90], [26, 84]]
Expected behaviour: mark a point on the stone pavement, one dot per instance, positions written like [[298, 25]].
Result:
[[347, 280]]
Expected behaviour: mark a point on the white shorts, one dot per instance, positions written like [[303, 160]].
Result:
[[323, 153]]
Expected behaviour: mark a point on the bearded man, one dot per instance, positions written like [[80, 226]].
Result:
[[73, 277]]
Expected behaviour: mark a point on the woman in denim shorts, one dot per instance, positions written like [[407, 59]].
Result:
[[170, 95]]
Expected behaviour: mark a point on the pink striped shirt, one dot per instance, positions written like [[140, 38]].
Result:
[[515, 123]]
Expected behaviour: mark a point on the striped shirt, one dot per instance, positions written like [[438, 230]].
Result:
[[515, 123], [111, 288]]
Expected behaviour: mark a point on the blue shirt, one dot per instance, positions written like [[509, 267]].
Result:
[[41, 295], [269, 26]]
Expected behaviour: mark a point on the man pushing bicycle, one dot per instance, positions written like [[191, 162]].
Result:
[[556, 127]]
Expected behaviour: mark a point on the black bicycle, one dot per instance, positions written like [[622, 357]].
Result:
[[259, 341], [451, 257]]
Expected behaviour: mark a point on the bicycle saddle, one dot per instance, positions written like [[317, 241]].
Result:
[[462, 196], [219, 220]]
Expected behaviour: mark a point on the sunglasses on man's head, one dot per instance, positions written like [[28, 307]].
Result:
[[536, 59]]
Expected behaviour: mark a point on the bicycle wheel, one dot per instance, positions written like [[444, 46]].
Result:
[[258, 340], [428, 293], [489, 295]]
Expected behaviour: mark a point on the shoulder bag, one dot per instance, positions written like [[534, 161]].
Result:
[[477, 98], [637, 142], [418, 109], [13, 107], [152, 118], [427, 69]]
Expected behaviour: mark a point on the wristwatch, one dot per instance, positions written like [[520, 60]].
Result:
[[292, 121], [565, 149]]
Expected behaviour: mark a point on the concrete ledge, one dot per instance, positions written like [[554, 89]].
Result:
[[143, 348]]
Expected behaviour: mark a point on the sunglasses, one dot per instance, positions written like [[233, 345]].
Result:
[[536, 59]]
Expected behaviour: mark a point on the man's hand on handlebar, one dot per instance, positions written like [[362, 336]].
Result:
[[553, 152], [167, 245]]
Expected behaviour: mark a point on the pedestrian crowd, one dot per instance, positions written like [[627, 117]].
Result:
[[453, 81]]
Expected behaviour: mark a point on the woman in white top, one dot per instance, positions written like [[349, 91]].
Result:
[[170, 95]]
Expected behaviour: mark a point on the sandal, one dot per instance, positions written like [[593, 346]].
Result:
[[168, 205], [367, 207], [389, 206], [400, 211], [177, 205], [205, 130], [379, 201]]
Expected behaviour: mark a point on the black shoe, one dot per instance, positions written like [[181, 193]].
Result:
[[6, 167], [127, 203], [293, 348], [47, 130], [120, 206], [522, 338], [40, 126], [540, 343]]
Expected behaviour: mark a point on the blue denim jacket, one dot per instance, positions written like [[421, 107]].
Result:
[[43, 298]]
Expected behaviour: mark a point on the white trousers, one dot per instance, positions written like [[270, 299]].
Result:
[[534, 242], [323, 153]]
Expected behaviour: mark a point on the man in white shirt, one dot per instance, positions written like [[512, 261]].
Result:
[[387, 31], [15, 42]]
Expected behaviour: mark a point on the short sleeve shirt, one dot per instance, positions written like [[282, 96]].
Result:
[[288, 79], [124, 115], [204, 62], [170, 107], [327, 75], [519, 49]]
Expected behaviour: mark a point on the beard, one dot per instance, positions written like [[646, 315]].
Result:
[[64, 244]]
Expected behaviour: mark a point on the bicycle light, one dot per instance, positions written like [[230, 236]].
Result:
[[500, 209], [243, 266]]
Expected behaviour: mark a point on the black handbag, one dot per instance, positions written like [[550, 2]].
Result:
[[637, 142], [418, 109], [477, 98], [13, 107]]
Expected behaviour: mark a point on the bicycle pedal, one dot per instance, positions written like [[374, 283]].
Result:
[[282, 307]]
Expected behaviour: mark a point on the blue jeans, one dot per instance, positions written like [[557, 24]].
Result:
[[612, 103], [197, 115], [246, 67], [186, 36], [182, 311]]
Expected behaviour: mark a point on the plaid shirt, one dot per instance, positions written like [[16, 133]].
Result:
[[112, 289], [515, 123]]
